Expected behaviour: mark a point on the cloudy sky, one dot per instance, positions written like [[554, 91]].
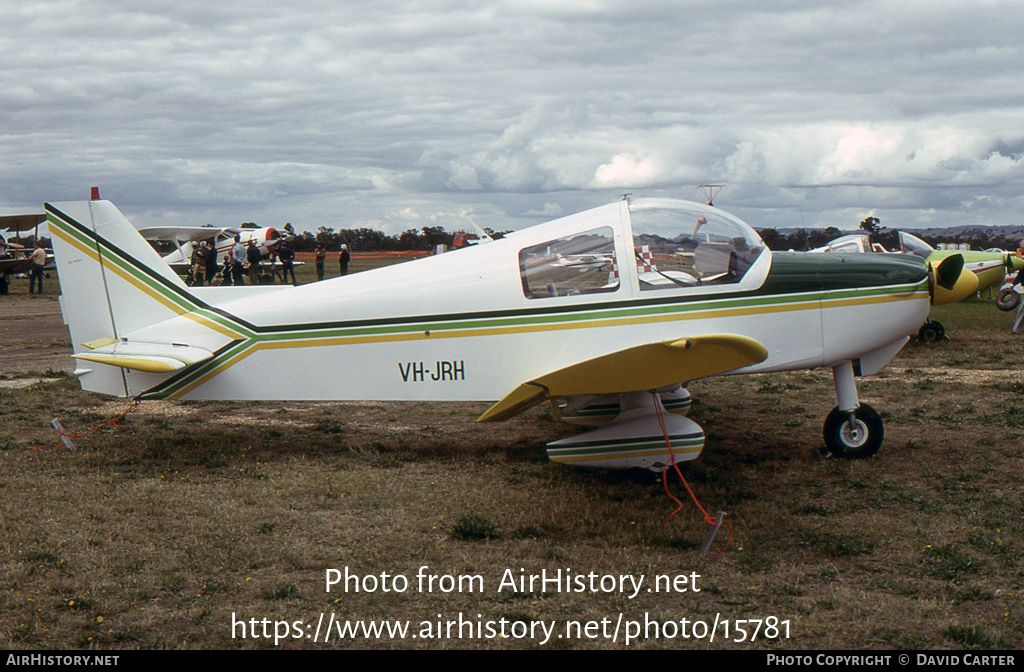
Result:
[[400, 114]]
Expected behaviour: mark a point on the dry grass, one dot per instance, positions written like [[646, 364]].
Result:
[[155, 534]]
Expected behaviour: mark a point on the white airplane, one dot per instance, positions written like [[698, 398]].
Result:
[[493, 323], [583, 262], [850, 243], [184, 237]]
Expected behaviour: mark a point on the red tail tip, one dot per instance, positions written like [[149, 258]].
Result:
[[95, 193]]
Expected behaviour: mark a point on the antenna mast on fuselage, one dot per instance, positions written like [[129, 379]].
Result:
[[710, 191]]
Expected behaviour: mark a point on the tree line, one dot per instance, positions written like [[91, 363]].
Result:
[[370, 240]]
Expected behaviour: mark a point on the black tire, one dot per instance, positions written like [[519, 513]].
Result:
[[931, 332], [858, 442], [1007, 299]]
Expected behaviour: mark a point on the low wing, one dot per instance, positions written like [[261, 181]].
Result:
[[645, 367], [141, 356]]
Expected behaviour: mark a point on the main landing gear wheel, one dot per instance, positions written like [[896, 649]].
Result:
[[931, 332], [857, 440]]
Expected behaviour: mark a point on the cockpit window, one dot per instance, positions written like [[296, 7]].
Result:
[[679, 244], [583, 263]]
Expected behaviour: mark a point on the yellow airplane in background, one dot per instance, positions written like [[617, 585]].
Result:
[[989, 268]]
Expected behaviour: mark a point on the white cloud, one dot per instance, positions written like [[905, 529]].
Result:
[[626, 171], [232, 111], [552, 210]]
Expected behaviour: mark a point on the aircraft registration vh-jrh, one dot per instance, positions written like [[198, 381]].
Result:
[[671, 292]]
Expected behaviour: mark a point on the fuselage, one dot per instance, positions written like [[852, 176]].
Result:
[[464, 325]]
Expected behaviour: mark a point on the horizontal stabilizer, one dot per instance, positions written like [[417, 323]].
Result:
[[645, 367], [148, 357]]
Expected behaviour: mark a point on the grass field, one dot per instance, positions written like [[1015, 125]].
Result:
[[197, 515]]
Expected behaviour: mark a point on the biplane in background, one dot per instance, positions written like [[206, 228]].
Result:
[[19, 223], [15, 258], [505, 321]]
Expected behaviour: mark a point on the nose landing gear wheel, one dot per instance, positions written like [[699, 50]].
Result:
[[857, 440]]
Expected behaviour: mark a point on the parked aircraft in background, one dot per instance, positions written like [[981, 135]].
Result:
[[851, 243], [15, 258], [504, 321], [583, 262], [465, 237], [989, 267], [185, 237]]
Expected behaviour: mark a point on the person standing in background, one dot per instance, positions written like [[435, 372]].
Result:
[[38, 262], [344, 259], [252, 257], [321, 257], [1018, 321], [199, 268], [287, 256], [238, 262]]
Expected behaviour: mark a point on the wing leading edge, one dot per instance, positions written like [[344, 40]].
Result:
[[645, 367]]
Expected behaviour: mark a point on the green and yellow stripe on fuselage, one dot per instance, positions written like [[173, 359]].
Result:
[[796, 284]]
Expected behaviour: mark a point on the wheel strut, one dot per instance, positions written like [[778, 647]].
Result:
[[852, 429]]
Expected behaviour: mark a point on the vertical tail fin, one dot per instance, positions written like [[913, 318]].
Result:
[[112, 282]]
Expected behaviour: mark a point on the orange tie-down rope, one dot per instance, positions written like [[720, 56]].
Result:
[[113, 421], [711, 520]]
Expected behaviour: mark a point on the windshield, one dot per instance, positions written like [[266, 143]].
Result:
[[910, 244]]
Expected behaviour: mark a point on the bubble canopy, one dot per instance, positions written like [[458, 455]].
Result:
[[682, 243], [674, 218]]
